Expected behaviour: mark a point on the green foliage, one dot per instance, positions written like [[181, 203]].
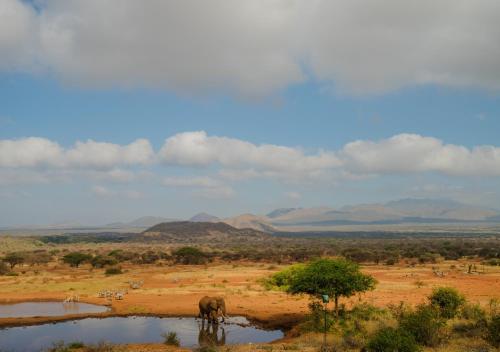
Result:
[[281, 280], [121, 255], [315, 321], [392, 340], [14, 258], [114, 270], [189, 255], [100, 261], [171, 338], [494, 331], [149, 257], [425, 324], [334, 277], [74, 259], [366, 311], [473, 312], [448, 300]]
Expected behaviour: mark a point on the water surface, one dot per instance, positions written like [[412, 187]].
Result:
[[133, 330], [48, 309]]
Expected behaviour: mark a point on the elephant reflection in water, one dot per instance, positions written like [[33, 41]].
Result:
[[209, 335]]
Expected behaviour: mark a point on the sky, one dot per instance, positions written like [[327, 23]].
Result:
[[112, 110]]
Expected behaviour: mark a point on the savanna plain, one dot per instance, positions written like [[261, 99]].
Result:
[[438, 292]]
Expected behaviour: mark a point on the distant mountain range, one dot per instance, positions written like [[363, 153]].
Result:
[[409, 211], [402, 211]]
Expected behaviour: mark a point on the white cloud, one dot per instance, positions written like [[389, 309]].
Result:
[[37, 160], [412, 153], [18, 42], [255, 48], [199, 149], [41, 152]]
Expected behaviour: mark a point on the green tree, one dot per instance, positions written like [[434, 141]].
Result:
[[334, 277], [74, 259], [14, 258], [448, 300]]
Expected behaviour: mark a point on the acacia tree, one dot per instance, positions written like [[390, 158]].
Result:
[[74, 259], [14, 258], [334, 277]]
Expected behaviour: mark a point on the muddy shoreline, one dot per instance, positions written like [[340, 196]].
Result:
[[282, 322]]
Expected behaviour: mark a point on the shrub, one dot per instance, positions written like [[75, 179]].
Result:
[[100, 261], [171, 338], [114, 270], [365, 311], [424, 324], [448, 300], [392, 340], [473, 312], [189, 255], [494, 331], [315, 321]]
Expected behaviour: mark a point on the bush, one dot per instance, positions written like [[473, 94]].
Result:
[[424, 324], [315, 321], [473, 312], [114, 270], [494, 331], [100, 261], [171, 338], [392, 340], [448, 300], [189, 255]]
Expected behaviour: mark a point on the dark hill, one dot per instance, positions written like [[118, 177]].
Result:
[[186, 230]]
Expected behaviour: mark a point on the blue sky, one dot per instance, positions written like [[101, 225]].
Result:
[[268, 119]]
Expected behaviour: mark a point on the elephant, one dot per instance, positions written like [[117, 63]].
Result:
[[210, 306]]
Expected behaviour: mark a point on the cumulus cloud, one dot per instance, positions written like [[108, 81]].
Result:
[[407, 153], [199, 149], [255, 48], [18, 40], [42, 160], [41, 152]]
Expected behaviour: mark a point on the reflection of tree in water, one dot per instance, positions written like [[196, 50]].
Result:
[[209, 335]]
